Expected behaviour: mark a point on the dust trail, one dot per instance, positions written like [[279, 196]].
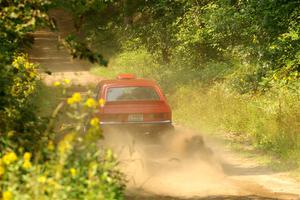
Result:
[[170, 168]]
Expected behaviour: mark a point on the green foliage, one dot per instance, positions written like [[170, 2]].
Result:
[[80, 50], [84, 11], [62, 178], [81, 8], [260, 34], [70, 167], [17, 109], [17, 18], [76, 167], [17, 75], [262, 121]]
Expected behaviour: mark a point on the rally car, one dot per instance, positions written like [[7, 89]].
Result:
[[133, 104]]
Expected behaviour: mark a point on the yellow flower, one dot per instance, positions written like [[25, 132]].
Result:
[[50, 145], [27, 65], [67, 81], [70, 101], [56, 83], [94, 122], [76, 98], [9, 158], [27, 164], [66, 144], [2, 170], [101, 102], [91, 103], [7, 195], [27, 156], [73, 172], [32, 74], [42, 179]]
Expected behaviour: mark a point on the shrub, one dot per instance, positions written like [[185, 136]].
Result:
[[73, 167]]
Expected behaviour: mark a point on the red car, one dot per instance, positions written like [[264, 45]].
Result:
[[134, 104]]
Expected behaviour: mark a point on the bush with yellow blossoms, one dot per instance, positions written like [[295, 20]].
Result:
[[18, 88], [71, 165]]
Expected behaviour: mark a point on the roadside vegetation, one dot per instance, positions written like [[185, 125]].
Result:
[[48, 142]]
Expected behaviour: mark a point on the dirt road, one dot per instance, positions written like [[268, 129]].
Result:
[[161, 171], [49, 53]]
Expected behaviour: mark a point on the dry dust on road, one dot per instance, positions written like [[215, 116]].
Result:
[[162, 171]]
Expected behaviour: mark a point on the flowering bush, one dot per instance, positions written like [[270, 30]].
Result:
[[62, 177], [73, 167], [18, 88]]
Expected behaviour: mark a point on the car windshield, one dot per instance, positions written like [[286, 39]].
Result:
[[131, 94]]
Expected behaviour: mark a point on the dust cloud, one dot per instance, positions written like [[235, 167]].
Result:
[[178, 164]]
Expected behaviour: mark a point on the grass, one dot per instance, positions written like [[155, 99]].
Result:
[[103, 71], [47, 98]]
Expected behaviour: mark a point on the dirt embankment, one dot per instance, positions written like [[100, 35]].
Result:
[[162, 171]]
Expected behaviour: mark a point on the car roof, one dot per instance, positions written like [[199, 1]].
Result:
[[128, 82]]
